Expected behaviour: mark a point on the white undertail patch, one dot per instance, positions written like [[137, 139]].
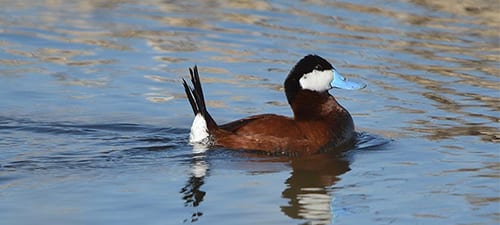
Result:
[[317, 80], [199, 130]]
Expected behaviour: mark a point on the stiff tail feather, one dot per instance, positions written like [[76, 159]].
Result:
[[203, 123]]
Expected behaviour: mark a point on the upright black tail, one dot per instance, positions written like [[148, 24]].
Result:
[[196, 98]]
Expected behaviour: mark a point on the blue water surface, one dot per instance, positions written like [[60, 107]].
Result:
[[94, 124]]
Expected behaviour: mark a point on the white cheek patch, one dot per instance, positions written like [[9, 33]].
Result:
[[317, 80]]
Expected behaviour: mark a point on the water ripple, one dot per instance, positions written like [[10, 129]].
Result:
[[94, 119]]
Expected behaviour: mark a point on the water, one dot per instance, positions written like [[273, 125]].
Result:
[[94, 123]]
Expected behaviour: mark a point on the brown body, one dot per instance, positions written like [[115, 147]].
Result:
[[304, 134]]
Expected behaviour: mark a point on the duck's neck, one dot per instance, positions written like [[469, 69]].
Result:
[[311, 105], [314, 105]]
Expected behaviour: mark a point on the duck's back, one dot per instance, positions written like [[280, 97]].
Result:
[[264, 124]]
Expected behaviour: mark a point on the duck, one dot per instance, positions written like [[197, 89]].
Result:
[[319, 123]]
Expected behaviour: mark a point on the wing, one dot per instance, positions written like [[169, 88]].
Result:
[[271, 133], [235, 125], [270, 125]]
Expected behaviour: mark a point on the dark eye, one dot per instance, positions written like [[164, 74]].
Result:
[[318, 67]]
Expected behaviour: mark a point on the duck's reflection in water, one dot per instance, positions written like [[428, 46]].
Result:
[[308, 188], [191, 192]]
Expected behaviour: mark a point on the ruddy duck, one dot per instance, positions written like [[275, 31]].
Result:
[[319, 122]]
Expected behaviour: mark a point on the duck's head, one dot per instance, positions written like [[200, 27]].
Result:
[[313, 73]]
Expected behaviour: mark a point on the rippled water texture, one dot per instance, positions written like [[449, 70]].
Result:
[[94, 123]]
